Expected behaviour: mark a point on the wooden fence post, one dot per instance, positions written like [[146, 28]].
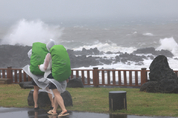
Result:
[[95, 77], [9, 73], [143, 76]]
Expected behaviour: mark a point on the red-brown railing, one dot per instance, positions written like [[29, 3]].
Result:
[[16, 75], [95, 77], [111, 77]]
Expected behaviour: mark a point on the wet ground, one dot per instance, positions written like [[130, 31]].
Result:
[[30, 113]]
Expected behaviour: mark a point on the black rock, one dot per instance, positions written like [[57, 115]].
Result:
[[149, 86], [67, 98], [162, 77], [159, 69], [75, 83], [163, 86], [44, 101], [25, 85]]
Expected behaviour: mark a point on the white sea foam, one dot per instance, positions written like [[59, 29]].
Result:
[[27, 32], [169, 44], [105, 47], [135, 32], [166, 44], [148, 34]]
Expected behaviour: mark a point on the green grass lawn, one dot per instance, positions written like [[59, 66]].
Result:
[[97, 100]]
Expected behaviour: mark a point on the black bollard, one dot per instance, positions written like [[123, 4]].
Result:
[[117, 100]]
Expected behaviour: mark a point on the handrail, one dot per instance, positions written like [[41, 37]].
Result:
[[95, 77]]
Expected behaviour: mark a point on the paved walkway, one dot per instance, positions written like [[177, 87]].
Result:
[[30, 113]]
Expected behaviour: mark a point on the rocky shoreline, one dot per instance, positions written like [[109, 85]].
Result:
[[15, 56]]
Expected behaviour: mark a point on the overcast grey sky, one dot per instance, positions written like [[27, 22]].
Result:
[[13, 10]]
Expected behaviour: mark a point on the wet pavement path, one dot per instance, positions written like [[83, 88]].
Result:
[[30, 113]]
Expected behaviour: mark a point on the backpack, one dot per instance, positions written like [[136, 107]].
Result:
[[39, 52], [61, 69]]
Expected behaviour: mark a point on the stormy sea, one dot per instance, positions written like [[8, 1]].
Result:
[[109, 45]]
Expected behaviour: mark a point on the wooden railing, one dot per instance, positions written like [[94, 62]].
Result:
[[16, 75], [111, 77], [94, 77]]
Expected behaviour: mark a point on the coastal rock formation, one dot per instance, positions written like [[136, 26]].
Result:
[[15, 56], [129, 57], [162, 77]]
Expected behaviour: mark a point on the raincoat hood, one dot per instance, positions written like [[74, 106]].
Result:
[[50, 44], [29, 53]]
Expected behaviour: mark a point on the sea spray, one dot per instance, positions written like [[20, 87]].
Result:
[[168, 44], [27, 32]]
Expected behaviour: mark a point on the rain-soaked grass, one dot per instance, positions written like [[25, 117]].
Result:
[[97, 100]]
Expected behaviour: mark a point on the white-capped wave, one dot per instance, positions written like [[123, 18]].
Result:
[[168, 44], [105, 47], [119, 65], [147, 34], [27, 32]]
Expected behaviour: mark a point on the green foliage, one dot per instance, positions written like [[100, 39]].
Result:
[[97, 100]]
